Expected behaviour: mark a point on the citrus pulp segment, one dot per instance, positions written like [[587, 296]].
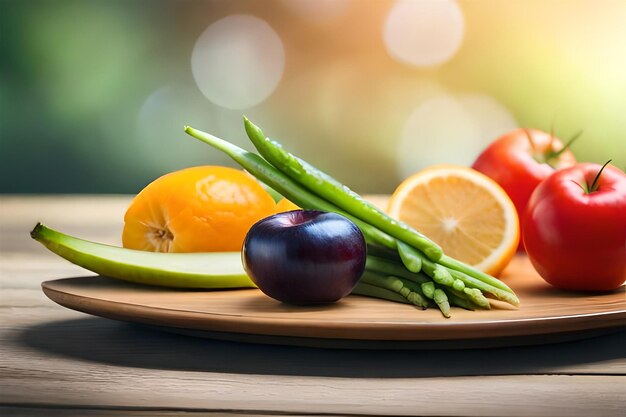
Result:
[[464, 211]]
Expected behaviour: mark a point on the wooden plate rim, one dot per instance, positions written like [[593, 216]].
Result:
[[338, 329]]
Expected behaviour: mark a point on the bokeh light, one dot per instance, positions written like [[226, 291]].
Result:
[[424, 33], [238, 61], [160, 121], [491, 116], [449, 129], [369, 91]]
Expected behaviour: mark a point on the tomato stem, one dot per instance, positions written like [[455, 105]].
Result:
[[530, 140], [553, 155], [582, 187], [536, 155], [594, 184], [550, 155], [551, 138]]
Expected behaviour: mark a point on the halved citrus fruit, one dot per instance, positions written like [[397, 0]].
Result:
[[199, 209], [464, 211]]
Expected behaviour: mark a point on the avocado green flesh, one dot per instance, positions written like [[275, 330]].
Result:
[[213, 270]]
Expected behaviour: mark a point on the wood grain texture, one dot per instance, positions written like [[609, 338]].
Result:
[[55, 361], [22, 411], [470, 396], [544, 311], [58, 357]]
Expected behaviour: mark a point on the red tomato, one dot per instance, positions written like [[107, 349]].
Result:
[[520, 160], [574, 238]]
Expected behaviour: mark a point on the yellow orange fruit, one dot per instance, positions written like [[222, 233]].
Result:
[[198, 209], [464, 211], [285, 205]]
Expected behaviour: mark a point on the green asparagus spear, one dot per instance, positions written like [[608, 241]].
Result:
[[459, 300], [428, 288], [388, 267], [452, 263], [441, 299], [332, 190], [474, 283], [393, 284], [409, 256], [369, 290]]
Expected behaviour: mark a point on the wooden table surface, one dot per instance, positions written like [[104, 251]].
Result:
[[58, 362]]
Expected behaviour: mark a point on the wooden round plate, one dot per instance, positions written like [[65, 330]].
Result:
[[546, 315]]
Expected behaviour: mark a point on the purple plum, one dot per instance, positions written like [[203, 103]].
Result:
[[305, 256]]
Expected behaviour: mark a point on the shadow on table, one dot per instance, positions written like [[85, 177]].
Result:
[[106, 341]]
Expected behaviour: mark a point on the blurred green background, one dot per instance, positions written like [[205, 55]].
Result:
[[94, 94]]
